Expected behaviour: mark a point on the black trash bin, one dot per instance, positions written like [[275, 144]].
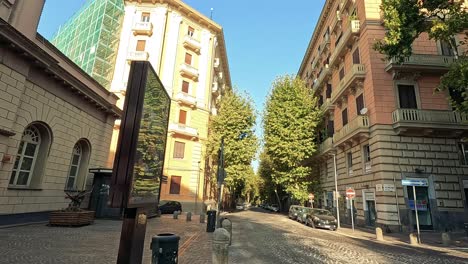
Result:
[[211, 221], [165, 249]]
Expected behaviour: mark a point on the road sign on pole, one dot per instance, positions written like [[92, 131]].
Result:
[[416, 213], [350, 193]]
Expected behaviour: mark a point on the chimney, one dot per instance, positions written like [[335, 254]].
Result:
[[25, 16]]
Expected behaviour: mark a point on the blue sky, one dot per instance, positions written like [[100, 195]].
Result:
[[264, 38]]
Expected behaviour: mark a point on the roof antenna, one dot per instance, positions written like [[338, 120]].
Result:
[[211, 15]]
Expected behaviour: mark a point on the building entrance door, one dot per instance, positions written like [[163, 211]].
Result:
[[424, 209], [370, 213]]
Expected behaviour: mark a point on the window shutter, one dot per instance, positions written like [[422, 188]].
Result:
[[175, 185], [182, 117], [185, 86], [359, 103], [329, 90], [141, 44], [344, 116], [188, 58], [356, 57], [179, 150]]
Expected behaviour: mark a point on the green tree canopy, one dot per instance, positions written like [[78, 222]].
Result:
[[443, 20], [290, 119], [236, 117]]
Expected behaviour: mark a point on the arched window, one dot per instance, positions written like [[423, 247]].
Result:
[[74, 167], [27, 157], [76, 178]]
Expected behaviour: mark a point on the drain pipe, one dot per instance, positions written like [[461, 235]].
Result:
[[397, 203]]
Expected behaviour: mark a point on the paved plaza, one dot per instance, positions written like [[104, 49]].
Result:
[[97, 243]]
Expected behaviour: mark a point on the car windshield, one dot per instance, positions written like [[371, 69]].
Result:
[[323, 212]]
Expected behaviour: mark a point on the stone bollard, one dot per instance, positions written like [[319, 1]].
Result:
[[165, 249], [413, 239], [446, 239], [175, 215], [220, 246], [189, 216], [227, 224], [379, 234], [202, 218]]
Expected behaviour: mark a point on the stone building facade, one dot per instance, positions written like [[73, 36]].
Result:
[[55, 120], [188, 52], [383, 124]]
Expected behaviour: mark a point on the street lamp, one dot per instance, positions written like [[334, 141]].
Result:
[[222, 175], [336, 191]]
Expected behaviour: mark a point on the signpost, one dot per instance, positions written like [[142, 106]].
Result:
[[139, 158], [350, 193], [311, 199], [415, 182]]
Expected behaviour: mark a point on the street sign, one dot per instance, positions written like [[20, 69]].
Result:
[[350, 193], [414, 182], [378, 188], [389, 188], [311, 196]]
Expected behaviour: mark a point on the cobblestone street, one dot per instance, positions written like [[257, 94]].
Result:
[[262, 237], [98, 243]]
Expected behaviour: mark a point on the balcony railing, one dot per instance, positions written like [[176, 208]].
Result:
[[337, 21], [191, 43], [324, 75], [352, 31], [429, 118], [138, 56], [357, 73], [357, 127], [144, 28], [183, 130], [189, 71], [326, 146], [327, 106], [422, 62], [185, 98]]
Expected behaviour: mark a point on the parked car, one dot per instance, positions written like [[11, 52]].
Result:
[[274, 208], [169, 207], [321, 218], [293, 211], [302, 214], [239, 207]]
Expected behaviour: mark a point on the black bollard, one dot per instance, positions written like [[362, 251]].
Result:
[[211, 221], [165, 249]]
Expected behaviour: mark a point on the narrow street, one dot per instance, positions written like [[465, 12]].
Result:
[[263, 237]]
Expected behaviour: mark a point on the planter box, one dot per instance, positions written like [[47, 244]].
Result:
[[59, 218]]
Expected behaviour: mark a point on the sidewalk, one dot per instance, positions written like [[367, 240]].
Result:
[[99, 242], [431, 239]]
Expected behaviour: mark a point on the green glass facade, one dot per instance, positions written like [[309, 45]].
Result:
[[91, 38]]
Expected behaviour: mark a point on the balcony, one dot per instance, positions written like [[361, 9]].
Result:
[[323, 77], [183, 130], [351, 34], [138, 56], [191, 43], [355, 130], [325, 46], [143, 28], [422, 63], [351, 79], [215, 88], [336, 22], [326, 146], [441, 123], [327, 106], [345, 4], [184, 98], [189, 71]]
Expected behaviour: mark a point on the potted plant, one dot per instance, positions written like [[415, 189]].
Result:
[[73, 215]]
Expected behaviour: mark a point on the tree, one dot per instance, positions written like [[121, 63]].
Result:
[[290, 119], [236, 117], [443, 20]]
